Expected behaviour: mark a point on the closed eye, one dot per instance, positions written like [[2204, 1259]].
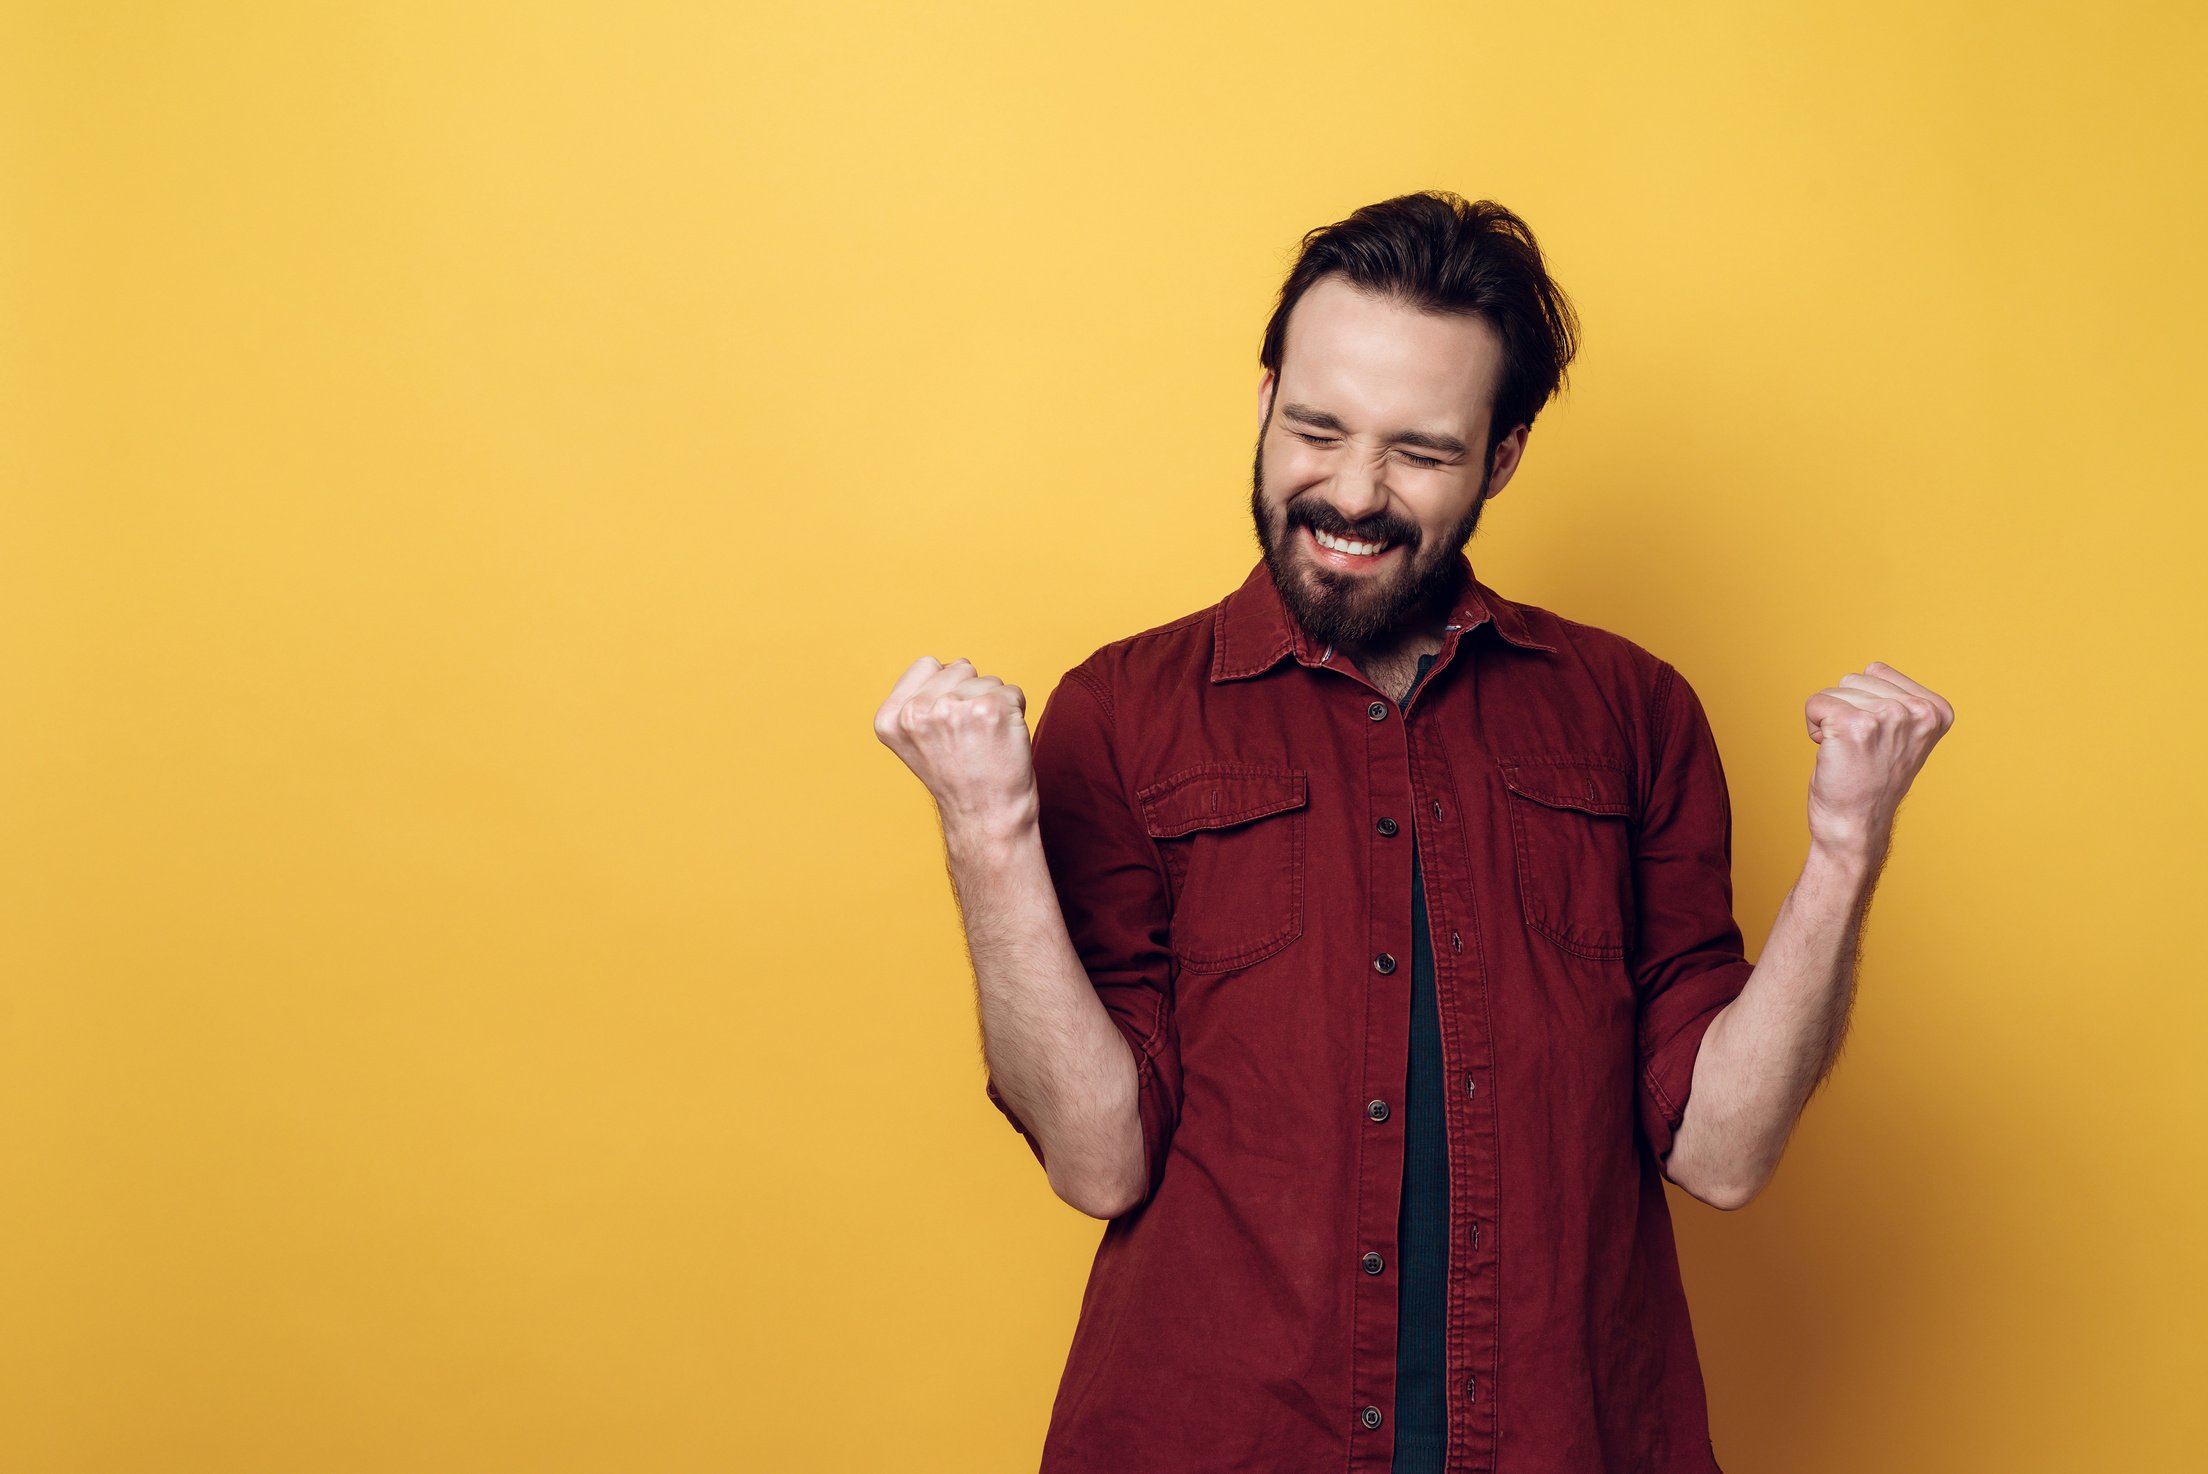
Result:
[[1423, 462]]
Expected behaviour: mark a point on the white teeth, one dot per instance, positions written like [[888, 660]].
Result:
[[1344, 545]]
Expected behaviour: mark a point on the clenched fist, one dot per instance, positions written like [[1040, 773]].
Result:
[[965, 735], [1873, 732]]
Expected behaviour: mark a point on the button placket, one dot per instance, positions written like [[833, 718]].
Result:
[[1389, 808]]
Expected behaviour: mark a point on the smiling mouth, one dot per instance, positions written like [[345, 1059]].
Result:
[[1349, 553]]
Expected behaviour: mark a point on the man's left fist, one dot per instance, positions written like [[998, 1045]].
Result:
[[1873, 731]]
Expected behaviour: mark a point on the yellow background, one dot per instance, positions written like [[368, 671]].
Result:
[[475, 995]]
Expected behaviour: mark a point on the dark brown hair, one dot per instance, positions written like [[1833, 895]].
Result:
[[1437, 252]]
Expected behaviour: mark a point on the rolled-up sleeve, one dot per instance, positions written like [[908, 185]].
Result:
[[1688, 959], [1112, 893]]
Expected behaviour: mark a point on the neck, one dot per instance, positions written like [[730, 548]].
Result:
[[1393, 665], [1402, 645]]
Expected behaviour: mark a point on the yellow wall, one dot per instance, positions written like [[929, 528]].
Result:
[[475, 995]]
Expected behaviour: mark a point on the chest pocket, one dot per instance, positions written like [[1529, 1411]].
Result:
[[1232, 835], [1571, 822]]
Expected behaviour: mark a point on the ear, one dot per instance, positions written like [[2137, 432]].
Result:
[[1509, 451], [1264, 400]]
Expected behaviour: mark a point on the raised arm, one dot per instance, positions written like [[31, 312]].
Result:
[[1060, 1067], [1769, 1049]]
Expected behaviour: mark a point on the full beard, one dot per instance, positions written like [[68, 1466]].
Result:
[[1358, 611]]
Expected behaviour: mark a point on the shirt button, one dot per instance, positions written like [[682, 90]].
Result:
[[1386, 827], [1378, 711], [1370, 1417], [1383, 963], [1475, 1235], [1471, 1389], [1456, 943], [1377, 1109], [1373, 1263], [1470, 1084], [1437, 808]]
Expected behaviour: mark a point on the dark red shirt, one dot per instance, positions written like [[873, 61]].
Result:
[[1227, 811]]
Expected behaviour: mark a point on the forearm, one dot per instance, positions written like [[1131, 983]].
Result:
[[1054, 1054], [1768, 1050]]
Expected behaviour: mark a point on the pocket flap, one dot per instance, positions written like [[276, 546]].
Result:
[[1215, 794], [1566, 783]]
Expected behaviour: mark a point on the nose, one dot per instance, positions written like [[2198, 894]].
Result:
[[1359, 493]]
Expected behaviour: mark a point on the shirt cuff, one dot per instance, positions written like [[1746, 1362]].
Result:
[[1667, 1072]]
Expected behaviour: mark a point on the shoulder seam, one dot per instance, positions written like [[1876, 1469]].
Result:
[[1650, 750], [1091, 678], [1095, 688]]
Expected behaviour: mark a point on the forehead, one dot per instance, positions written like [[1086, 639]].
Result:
[[1371, 360]]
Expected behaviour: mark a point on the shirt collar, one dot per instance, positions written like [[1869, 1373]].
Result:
[[1254, 628]]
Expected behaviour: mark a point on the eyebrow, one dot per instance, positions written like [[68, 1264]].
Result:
[[1447, 444]]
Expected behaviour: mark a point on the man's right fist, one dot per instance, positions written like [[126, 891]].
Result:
[[965, 735]]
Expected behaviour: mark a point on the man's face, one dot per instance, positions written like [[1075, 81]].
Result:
[[1375, 437]]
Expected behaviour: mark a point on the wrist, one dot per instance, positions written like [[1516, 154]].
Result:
[[1853, 857], [992, 832]]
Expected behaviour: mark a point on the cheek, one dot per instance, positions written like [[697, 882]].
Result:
[[1295, 464]]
